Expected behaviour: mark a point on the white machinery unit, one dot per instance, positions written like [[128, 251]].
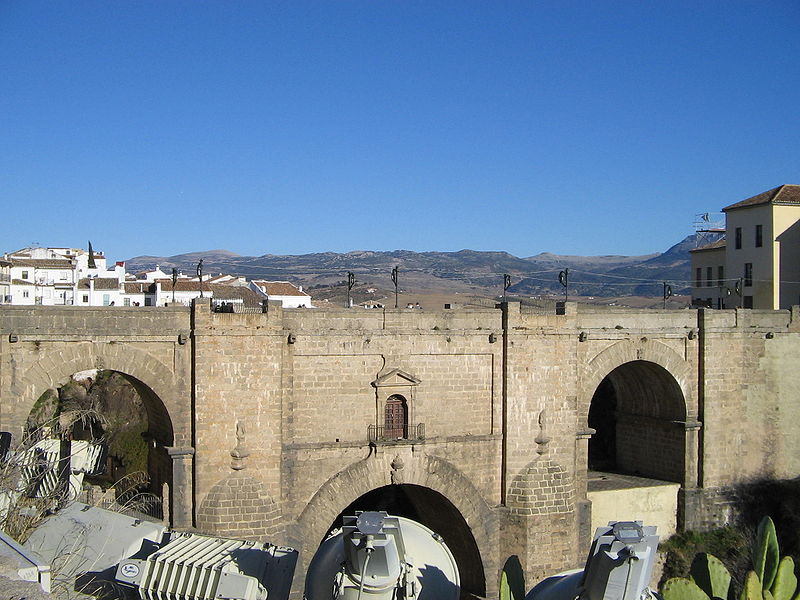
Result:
[[381, 557], [197, 567], [80, 539], [96, 549], [40, 475], [619, 567], [43, 470]]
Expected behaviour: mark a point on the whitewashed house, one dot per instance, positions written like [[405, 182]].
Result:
[[42, 276], [290, 296]]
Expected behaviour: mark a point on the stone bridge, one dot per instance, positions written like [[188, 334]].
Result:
[[487, 425]]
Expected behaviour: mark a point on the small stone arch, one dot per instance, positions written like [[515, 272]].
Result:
[[543, 487], [430, 472]]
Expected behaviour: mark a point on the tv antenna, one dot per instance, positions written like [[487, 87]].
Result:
[[708, 228]]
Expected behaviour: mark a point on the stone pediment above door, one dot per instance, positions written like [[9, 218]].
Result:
[[396, 378]]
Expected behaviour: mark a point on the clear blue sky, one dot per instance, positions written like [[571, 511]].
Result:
[[161, 127]]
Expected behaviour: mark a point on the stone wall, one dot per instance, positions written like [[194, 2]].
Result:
[[271, 414]]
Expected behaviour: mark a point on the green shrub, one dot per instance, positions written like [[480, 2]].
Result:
[[729, 544]]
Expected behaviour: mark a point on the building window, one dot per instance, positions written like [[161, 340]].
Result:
[[720, 276], [126, 302], [86, 298], [738, 236], [748, 302], [759, 236], [25, 294], [25, 274], [106, 299], [395, 423], [709, 276], [748, 274], [698, 275]]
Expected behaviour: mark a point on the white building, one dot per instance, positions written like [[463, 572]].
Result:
[[59, 276], [43, 276], [5, 281], [289, 295]]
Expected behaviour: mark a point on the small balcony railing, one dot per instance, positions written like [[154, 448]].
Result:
[[379, 433]]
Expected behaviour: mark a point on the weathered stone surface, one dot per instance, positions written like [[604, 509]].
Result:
[[706, 399]]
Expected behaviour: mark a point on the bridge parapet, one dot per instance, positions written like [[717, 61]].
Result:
[[43, 322]]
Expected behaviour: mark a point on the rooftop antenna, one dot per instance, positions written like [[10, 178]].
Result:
[[708, 227], [351, 281]]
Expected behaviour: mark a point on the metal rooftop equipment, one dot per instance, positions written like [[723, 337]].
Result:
[[382, 557], [619, 567]]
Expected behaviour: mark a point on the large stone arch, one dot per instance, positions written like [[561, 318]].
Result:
[[53, 370], [627, 351], [374, 472], [169, 419], [656, 417]]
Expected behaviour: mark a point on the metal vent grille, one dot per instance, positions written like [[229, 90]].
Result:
[[197, 567]]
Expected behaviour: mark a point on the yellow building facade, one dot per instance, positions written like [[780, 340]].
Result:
[[757, 265]]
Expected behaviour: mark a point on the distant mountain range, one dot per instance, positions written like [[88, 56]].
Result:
[[466, 271]]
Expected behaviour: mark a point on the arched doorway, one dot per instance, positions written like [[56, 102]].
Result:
[[436, 512], [131, 420], [638, 411], [395, 421]]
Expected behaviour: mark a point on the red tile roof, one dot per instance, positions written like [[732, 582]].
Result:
[[42, 263], [182, 285], [783, 194], [100, 283], [712, 246], [138, 288], [222, 291]]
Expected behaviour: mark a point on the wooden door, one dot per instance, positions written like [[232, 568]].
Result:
[[396, 418]]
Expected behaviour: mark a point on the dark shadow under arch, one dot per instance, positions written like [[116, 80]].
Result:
[[638, 411], [160, 436], [436, 512]]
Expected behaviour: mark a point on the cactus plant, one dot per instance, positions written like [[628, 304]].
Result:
[[765, 553], [711, 576], [785, 584], [751, 590], [772, 578], [680, 588]]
